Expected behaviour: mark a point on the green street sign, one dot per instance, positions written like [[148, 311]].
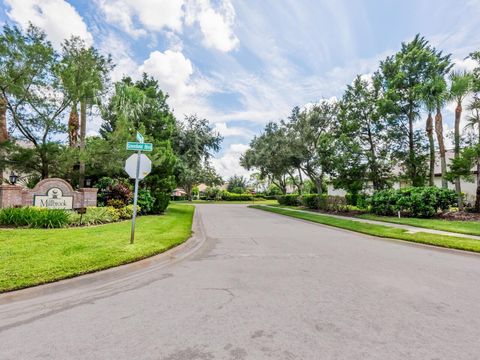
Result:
[[140, 137], [137, 146]]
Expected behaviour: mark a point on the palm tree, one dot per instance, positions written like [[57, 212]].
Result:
[[460, 87], [429, 100], [440, 97], [474, 120], [84, 73]]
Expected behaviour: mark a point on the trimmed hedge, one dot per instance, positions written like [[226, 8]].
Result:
[[288, 200], [227, 196], [325, 202], [417, 201]]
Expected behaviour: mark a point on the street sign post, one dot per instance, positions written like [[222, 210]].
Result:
[[137, 166], [138, 146]]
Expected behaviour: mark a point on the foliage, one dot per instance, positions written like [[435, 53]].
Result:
[[33, 217], [94, 216], [366, 150], [213, 193], [417, 201], [237, 184], [325, 202], [146, 201], [121, 192], [404, 77], [288, 200], [161, 203], [31, 90], [227, 196], [195, 142], [267, 155]]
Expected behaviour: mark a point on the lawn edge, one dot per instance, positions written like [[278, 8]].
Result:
[[419, 226], [464, 250], [166, 252]]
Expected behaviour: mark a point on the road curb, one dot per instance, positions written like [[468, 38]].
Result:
[[117, 273]]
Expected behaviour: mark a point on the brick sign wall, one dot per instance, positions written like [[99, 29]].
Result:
[[50, 193]]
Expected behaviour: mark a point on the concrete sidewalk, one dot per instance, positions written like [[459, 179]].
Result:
[[409, 228]]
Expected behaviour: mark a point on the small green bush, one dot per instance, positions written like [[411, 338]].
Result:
[[312, 201], [289, 200], [115, 203], [94, 216], [161, 203], [416, 201], [126, 212], [34, 217], [325, 202], [146, 201]]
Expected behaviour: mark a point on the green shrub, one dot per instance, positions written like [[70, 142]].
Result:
[[115, 203], [146, 201], [416, 201], [312, 201], [289, 200], [161, 203], [325, 202], [94, 216], [34, 217], [227, 196], [126, 212]]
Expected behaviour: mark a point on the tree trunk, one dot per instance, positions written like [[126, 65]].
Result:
[[458, 188], [300, 189], [43, 158], [429, 130], [3, 120], [411, 149], [73, 125], [477, 199], [374, 175], [441, 146], [319, 185], [83, 131]]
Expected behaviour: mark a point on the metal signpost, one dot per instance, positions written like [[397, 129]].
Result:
[[137, 166]]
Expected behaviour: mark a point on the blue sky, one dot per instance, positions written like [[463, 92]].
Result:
[[243, 63]]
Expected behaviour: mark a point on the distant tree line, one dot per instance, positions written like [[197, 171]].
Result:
[[372, 136], [47, 98]]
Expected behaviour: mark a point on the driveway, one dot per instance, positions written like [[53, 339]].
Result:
[[261, 286]]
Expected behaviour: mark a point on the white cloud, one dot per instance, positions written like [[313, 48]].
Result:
[[172, 70], [216, 25], [57, 18], [229, 164], [466, 64], [154, 15]]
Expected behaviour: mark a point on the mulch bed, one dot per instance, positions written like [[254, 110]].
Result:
[[460, 216]]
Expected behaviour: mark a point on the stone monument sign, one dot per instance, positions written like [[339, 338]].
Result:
[[49, 193]]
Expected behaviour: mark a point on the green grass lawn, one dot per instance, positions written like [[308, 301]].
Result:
[[380, 230], [263, 202], [35, 256], [461, 227]]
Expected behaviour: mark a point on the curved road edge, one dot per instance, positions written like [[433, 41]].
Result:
[[117, 274]]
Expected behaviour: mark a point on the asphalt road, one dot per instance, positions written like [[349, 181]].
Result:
[[261, 286]]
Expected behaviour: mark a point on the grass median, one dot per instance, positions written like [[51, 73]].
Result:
[[452, 242], [461, 227], [36, 256]]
